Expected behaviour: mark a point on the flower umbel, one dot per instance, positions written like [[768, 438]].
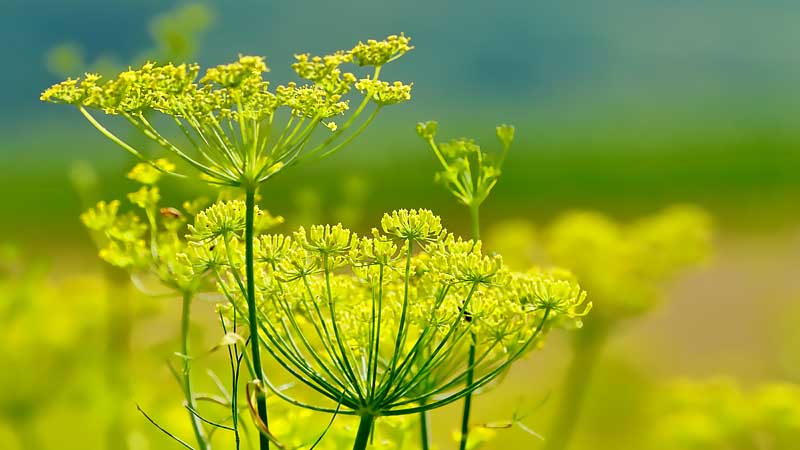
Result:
[[385, 332], [227, 115]]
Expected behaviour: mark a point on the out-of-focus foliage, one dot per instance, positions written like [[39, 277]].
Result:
[[176, 35], [516, 240], [626, 265], [53, 354], [721, 414]]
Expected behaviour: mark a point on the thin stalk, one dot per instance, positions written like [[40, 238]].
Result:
[[197, 426], [474, 211], [468, 398], [586, 352], [424, 428], [261, 400], [364, 430]]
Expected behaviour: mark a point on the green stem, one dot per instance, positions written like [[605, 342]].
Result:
[[474, 214], [474, 211], [364, 430], [585, 354], [468, 398], [197, 426], [425, 433], [261, 400]]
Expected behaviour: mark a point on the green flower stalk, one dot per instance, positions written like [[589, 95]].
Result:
[[382, 325], [625, 267], [469, 174], [236, 130]]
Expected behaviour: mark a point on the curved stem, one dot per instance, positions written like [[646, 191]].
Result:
[[364, 430], [355, 133], [261, 400], [197, 427], [585, 354]]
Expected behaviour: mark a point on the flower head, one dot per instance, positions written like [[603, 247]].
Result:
[[378, 53], [364, 308], [413, 225], [227, 219], [383, 93], [228, 115]]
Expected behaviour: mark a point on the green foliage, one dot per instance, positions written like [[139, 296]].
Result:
[[177, 33], [625, 266]]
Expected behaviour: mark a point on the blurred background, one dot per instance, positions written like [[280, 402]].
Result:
[[622, 106]]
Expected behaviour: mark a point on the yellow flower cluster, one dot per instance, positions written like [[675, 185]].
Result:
[[228, 219], [383, 323], [228, 114], [156, 246], [383, 93], [378, 53], [131, 91], [325, 71]]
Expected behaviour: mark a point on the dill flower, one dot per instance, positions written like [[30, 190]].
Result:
[[153, 244], [383, 93], [238, 130], [380, 325], [378, 53], [228, 114], [227, 219]]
